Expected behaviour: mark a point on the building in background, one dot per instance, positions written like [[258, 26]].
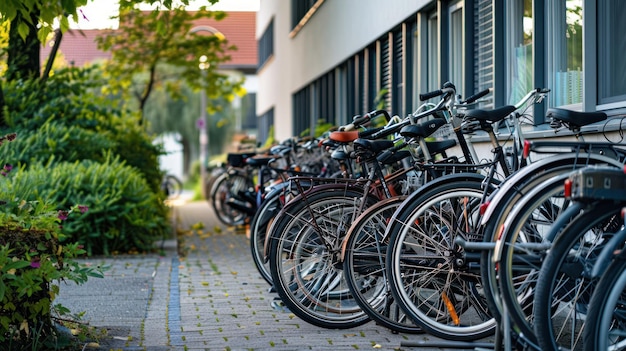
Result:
[[78, 48], [330, 60]]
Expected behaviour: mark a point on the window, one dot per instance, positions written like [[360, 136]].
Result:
[[397, 79], [484, 48], [383, 93], [371, 79], [301, 110], [299, 9], [432, 52], [266, 44], [456, 49], [520, 54], [565, 77], [249, 107], [266, 122], [410, 79], [611, 48]]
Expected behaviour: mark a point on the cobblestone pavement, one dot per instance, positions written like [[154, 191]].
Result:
[[203, 292]]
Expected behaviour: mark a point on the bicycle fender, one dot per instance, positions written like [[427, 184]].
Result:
[[535, 168]]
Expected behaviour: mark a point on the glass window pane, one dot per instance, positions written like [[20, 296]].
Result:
[[456, 47], [611, 49], [433, 53], [566, 75], [521, 44]]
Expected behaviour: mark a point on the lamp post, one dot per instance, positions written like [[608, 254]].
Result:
[[202, 126]]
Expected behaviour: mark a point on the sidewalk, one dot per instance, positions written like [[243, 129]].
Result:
[[204, 293]]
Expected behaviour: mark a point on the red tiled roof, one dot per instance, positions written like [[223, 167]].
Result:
[[239, 29], [79, 46]]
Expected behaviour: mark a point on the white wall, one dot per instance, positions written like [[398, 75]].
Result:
[[335, 32]]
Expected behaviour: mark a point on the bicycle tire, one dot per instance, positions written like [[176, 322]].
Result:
[[173, 186], [563, 288], [259, 226], [224, 188], [607, 316], [517, 249], [456, 312], [304, 269], [507, 195], [364, 251]]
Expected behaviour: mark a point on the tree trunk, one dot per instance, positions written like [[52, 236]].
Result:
[[186, 157], [23, 54], [58, 35]]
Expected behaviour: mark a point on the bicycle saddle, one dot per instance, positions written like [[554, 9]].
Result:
[[260, 160], [374, 146], [423, 129], [344, 137], [494, 115], [575, 119]]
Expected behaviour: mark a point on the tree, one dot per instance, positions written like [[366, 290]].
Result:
[[145, 42], [30, 23]]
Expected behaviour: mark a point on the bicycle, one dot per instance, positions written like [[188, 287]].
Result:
[[307, 234], [363, 249], [569, 274], [422, 231], [171, 186]]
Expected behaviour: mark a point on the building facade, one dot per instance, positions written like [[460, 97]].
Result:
[[332, 59]]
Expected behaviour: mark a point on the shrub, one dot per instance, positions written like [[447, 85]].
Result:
[[31, 259], [68, 106], [66, 143], [124, 215]]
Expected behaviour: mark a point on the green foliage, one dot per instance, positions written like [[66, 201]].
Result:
[[32, 258], [66, 143], [124, 214], [48, 12], [145, 44], [320, 128], [67, 117]]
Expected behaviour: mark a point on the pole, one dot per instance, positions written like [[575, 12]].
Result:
[[204, 142]]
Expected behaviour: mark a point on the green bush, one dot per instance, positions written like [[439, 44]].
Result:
[[68, 106], [66, 143], [32, 257], [124, 215]]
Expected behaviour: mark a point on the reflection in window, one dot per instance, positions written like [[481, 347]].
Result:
[[433, 53], [611, 49], [566, 75], [521, 44], [456, 47]]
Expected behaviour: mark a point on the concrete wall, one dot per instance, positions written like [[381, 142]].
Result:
[[336, 31]]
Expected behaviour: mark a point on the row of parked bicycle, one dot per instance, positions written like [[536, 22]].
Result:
[[385, 224]]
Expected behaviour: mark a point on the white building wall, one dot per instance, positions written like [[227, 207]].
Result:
[[336, 31]]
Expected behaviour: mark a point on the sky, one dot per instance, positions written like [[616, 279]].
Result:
[[96, 14]]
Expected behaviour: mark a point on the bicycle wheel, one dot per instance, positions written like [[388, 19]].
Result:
[[259, 226], [364, 253], [215, 173], [430, 276], [224, 188], [502, 201], [172, 185], [306, 239], [564, 289], [521, 247], [606, 320]]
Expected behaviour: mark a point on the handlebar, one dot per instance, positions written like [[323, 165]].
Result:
[[447, 89], [537, 91], [476, 96], [358, 121]]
